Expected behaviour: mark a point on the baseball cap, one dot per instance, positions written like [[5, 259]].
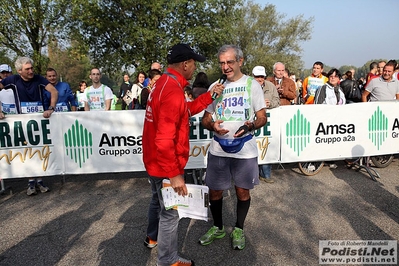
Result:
[[183, 52], [259, 71], [5, 68]]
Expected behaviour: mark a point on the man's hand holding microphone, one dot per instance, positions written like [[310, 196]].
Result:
[[218, 88]]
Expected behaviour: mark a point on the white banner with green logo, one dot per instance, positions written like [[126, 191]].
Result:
[[111, 141], [322, 132]]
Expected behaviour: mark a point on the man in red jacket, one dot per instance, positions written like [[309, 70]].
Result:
[[166, 146]]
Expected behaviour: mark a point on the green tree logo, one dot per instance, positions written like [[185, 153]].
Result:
[[297, 131], [78, 143], [378, 128]]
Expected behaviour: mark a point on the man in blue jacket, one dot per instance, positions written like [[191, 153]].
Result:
[[66, 101]]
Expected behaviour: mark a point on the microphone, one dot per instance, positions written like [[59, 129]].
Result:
[[222, 80]]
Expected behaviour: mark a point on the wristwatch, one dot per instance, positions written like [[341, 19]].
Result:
[[51, 108], [253, 126]]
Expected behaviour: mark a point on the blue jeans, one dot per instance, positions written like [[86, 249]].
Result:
[[265, 170], [137, 106], [168, 228], [153, 214]]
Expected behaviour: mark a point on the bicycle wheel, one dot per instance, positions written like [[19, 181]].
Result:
[[310, 168], [382, 161]]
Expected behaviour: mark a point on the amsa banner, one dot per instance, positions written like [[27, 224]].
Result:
[[321, 132], [99, 142]]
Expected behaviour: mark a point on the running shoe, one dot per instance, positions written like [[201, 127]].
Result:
[[149, 243], [238, 238], [211, 235]]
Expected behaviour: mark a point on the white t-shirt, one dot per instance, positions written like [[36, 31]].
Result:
[[314, 84], [8, 101], [237, 105], [80, 96], [96, 97]]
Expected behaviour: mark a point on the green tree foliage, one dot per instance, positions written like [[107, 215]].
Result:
[[266, 37], [26, 24], [71, 64], [125, 34], [5, 58]]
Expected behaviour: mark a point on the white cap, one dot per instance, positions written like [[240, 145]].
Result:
[[5, 68], [259, 71]]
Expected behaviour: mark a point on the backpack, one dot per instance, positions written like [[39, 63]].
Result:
[[128, 97], [355, 93]]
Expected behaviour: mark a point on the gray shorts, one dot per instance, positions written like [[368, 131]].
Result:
[[221, 170]]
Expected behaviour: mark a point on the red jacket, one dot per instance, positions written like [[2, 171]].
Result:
[[166, 126]]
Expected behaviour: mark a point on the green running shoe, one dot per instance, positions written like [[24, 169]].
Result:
[[211, 235], [238, 238]]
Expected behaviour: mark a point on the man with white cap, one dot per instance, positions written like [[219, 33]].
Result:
[[272, 100], [7, 101], [5, 71]]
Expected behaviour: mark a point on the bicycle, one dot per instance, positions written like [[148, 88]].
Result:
[[310, 168], [359, 164]]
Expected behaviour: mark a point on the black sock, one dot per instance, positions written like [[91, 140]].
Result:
[[242, 211], [216, 210]]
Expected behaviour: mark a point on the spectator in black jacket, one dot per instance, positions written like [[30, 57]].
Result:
[[126, 85], [348, 86]]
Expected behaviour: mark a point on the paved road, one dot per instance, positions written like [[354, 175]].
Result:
[[101, 219]]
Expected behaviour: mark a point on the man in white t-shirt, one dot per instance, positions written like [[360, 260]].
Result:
[[233, 154], [97, 97]]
